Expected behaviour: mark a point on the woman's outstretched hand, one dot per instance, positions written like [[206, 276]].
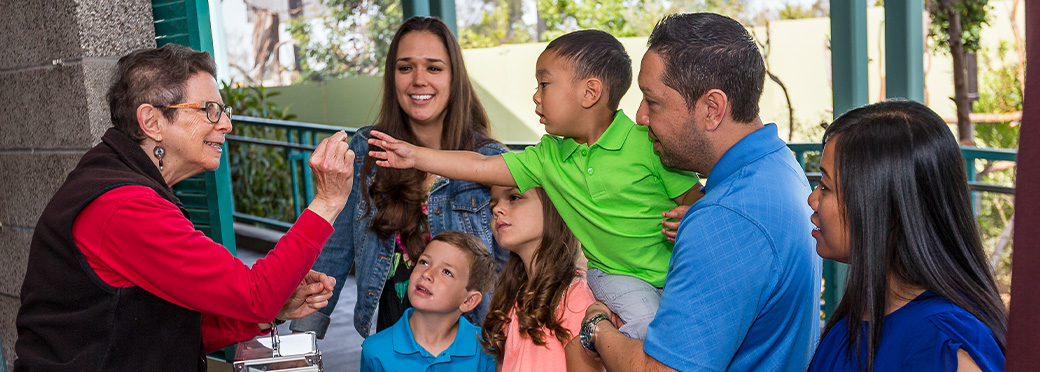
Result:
[[398, 154], [333, 168]]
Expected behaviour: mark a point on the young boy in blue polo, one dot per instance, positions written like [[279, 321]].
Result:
[[598, 167], [449, 279]]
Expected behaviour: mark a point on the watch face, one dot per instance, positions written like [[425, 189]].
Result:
[[585, 335]]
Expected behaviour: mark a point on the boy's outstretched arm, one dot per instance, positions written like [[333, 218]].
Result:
[[457, 165]]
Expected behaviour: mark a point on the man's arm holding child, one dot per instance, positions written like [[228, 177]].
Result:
[[458, 165], [617, 352]]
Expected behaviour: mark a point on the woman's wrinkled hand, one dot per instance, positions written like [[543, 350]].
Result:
[[311, 295], [332, 164]]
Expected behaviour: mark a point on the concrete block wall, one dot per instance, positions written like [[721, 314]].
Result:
[[58, 62]]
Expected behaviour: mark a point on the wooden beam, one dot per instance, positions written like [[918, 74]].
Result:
[[1024, 323]]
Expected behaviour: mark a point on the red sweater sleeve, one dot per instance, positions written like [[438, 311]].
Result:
[[220, 332], [132, 237]]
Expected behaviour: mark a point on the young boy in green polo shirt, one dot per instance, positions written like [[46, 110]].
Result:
[[598, 168]]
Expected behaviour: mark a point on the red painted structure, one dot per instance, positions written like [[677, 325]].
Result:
[[1023, 352]]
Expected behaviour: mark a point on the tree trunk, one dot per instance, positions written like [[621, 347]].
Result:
[[295, 12], [965, 129], [541, 27]]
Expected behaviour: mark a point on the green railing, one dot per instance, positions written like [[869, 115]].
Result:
[[301, 139]]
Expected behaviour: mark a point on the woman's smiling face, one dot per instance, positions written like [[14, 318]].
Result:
[[422, 77], [831, 232], [191, 141]]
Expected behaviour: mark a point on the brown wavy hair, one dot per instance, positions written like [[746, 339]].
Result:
[[397, 194], [536, 299]]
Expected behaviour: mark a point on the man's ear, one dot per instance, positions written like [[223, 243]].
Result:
[[593, 92], [151, 121], [472, 300], [715, 103]]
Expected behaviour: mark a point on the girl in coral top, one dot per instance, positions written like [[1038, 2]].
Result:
[[541, 295]]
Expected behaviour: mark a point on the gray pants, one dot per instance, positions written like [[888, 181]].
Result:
[[631, 298]]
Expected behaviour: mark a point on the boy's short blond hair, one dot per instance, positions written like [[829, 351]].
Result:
[[482, 273]]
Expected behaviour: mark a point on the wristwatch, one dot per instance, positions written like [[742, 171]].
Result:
[[587, 334]]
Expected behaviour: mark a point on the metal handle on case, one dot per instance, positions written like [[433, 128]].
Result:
[[274, 340]]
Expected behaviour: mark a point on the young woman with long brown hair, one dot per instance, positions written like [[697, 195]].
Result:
[[392, 213], [541, 295]]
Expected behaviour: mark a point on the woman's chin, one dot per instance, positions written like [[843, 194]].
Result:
[[419, 117], [208, 166]]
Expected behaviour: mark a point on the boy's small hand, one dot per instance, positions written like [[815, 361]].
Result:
[[398, 154], [670, 227]]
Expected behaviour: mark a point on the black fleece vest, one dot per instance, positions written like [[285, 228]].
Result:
[[70, 320]]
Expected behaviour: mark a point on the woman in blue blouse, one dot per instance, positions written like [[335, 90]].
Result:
[[893, 203], [389, 218]]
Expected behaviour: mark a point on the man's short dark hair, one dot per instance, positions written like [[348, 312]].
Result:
[[594, 53], [156, 76], [704, 51]]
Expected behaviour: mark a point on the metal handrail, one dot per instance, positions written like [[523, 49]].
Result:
[[970, 154], [303, 137], [289, 124], [301, 140]]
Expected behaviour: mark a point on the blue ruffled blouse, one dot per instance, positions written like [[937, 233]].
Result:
[[923, 335]]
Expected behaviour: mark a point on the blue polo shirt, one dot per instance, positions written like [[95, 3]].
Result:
[[743, 286], [395, 349]]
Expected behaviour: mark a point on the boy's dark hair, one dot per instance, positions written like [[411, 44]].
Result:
[[482, 272], [704, 51], [156, 76], [594, 53]]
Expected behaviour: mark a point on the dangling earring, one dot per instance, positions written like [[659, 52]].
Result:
[[159, 153]]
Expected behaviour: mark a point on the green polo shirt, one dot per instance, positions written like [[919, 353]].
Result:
[[611, 195]]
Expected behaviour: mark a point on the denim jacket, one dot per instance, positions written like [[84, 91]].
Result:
[[452, 205]]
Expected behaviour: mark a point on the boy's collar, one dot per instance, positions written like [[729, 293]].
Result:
[[612, 139], [404, 341]]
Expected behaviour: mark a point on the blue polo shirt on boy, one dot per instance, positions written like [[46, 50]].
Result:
[[395, 349], [743, 285]]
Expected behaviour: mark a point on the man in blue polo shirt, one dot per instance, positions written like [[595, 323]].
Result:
[[743, 285]]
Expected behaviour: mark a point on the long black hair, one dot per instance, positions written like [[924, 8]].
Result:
[[904, 196]]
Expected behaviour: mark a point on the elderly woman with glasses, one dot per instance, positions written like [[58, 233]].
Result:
[[118, 278]]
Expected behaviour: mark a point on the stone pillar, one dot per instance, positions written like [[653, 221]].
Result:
[[57, 63]]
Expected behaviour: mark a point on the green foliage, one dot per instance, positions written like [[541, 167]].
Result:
[[563, 16], [352, 39], [973, 14], [260, 174], [497, 26], [621, 18], [1000, 91], [798, 11]]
